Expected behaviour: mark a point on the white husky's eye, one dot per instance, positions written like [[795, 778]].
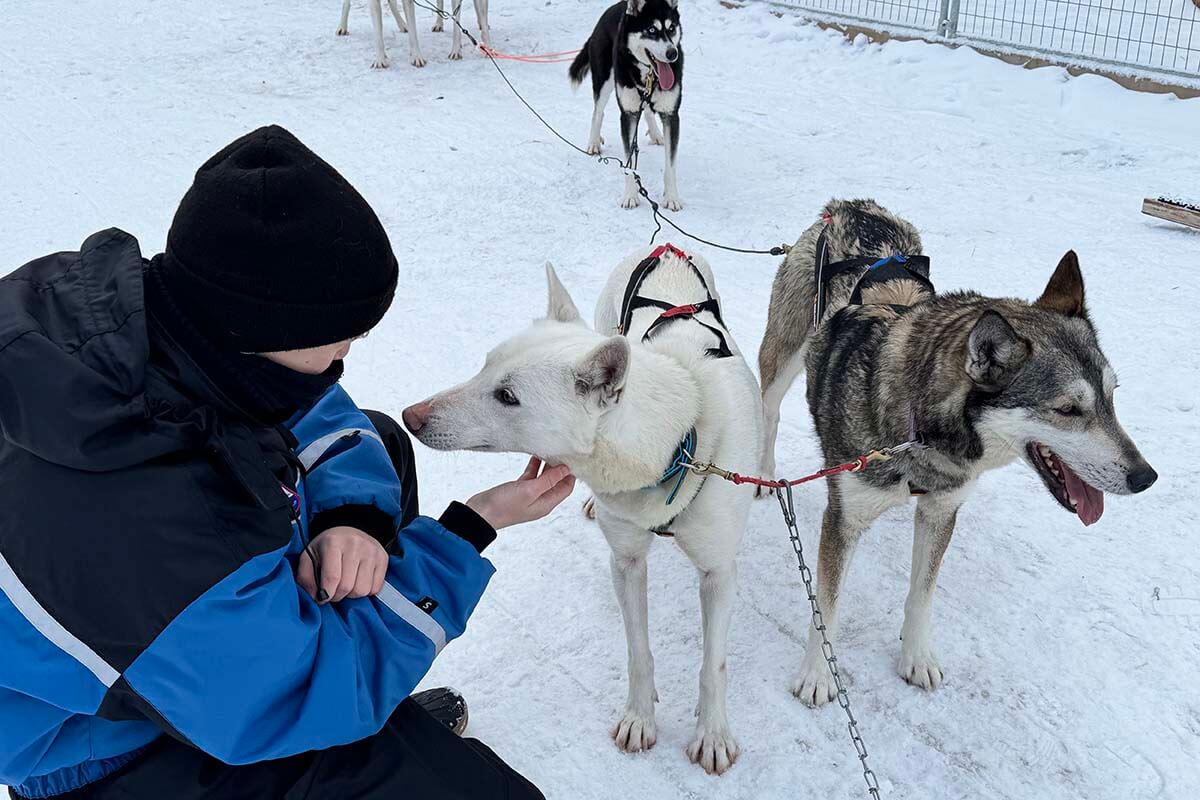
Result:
[[506, 397]]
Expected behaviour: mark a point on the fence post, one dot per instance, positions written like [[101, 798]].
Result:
[[948, 26], [942, 17]]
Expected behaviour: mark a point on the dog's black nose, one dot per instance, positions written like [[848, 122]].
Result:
[[672, 54], [1141, 479]]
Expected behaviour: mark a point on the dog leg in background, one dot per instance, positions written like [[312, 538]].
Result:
[[629, 126], [635, 731], [853, 506], [776, 381], [396, 16], [344, 25], [602, 89], [438, 25], [481, 18], [671, 200], [456, 47], [414, 46], [714, 747], [932, 528], [652, 131], [381, 59]]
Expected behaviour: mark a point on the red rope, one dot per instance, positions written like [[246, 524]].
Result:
[[543, 58], [857, 465]]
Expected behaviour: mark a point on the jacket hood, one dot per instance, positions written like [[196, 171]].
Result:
[[74, 353]]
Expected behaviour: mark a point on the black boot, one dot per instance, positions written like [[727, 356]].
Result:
[[446, 706]]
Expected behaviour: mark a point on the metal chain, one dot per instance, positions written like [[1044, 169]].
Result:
[[843, 699]]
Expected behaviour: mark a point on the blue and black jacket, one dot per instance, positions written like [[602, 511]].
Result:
[[148, 544]]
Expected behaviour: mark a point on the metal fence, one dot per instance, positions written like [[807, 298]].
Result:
[[1160, 38]]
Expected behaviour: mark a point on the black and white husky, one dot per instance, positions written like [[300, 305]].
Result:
[[635, 49]]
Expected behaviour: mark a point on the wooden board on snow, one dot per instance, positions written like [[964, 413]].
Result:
[[1172, 210]]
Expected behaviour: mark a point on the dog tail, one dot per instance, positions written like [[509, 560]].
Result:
[[579, 67]]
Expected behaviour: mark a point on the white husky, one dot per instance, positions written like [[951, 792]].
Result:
[[409, 25], [618, 409]]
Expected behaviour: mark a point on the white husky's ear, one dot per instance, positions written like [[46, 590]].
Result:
[[561, 307], [634, 7], [602, 372], [994, 352]]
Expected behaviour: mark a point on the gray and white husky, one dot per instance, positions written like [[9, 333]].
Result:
[[615, 404], [980, 381]]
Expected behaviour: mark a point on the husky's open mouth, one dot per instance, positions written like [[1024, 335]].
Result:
[[1071, 491], [665, 72]]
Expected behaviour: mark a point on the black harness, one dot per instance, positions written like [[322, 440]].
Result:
[[670, 313], [686, 451], [878, 270]]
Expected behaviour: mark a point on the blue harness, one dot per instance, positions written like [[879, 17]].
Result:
[[685, 453]]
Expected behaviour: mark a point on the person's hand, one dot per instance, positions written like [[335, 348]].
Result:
[[529, 497], [352, 565]]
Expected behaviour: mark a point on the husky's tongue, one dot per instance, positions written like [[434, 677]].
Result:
[[1088, 500], [666, 75]]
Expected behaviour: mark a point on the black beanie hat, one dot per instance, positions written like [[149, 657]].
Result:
[[271, 249]]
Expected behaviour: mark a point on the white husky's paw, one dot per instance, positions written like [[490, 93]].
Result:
[[594, 147], [437, 26], [919, 666], [589, 508], [455, 54], [417, 60], [635, 732], [342, 31], [714, 750], [671, 202], [631, 201], [814, 685], [763, 491], [380, 63], [655, 136]]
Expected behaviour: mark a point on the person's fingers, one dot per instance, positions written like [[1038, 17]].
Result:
[[365, 579], [304, 576], [350, 565], [531, 469], [380, 576], [551, 498], [547, 481], [331, 572]]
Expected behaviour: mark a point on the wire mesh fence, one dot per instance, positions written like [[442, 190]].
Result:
[[1160, 38]]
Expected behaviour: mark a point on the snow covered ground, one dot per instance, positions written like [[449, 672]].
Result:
[[1071, 655]]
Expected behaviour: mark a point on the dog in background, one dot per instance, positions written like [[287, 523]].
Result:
[[635, 50], [659, 381], [410, 27], [980, 381]]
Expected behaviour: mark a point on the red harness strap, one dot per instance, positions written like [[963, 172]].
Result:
[[680, 311], [667, 248]]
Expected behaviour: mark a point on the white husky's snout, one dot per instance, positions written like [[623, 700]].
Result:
[[539, 392]]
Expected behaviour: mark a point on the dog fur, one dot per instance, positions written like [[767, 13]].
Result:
[[631, 42], [410, 27], [614, 409], [982, 381]]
